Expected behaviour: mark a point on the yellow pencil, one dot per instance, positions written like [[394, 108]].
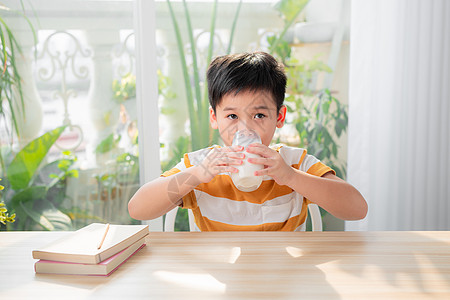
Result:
[[104, 236]]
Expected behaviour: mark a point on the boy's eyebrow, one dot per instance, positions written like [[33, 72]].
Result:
[[229, 108], [254, 107], [261, 107]]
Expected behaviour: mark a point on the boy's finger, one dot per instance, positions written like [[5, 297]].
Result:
[[262, 172], [257, 145], [260, 161], [234, 148], [229, 161], [260, 149], [224, 169], [238, 155]]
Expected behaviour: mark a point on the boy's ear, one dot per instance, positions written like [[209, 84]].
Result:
[[281, 116], [212, 119]]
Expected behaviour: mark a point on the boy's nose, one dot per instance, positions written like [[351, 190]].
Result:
[[243, 125]]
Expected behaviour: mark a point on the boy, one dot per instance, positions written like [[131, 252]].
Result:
[[247, 91]]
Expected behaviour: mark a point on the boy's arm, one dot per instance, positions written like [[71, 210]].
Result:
[[330, 192], [159, 196], [333, 194]]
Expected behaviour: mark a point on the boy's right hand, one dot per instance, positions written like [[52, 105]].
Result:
[[220, 160]]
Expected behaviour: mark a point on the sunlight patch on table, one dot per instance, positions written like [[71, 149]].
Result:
[[372, 275], [197, 281], [294, 251], [234, 254]]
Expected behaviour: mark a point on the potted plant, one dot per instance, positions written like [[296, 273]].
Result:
[[30, 183], [10, 79], [124, 93], [4, 216]]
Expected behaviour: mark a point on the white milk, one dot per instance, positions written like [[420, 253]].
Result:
[[245, 180]]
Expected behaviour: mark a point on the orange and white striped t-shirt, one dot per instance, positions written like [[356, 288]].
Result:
[[219, 206]]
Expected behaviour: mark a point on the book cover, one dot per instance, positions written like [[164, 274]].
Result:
[[104, 268], [81, 246]]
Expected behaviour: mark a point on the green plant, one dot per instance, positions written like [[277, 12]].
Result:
[[165, 92], [179, 149], [109, 143], [4, 216], [319, 125], [56, 181], [117, 180], [10, 79], [27, 194], [125, 88], [289, 11], [201, 134], [318, 116], [127, 168]]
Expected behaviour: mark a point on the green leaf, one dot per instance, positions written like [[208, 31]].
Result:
[[167, 110], [73, 173], [36, 217], [194, 55], [109, 143], [27, 161], [289, 9], [340, 126], [194, 123], [233, 27], [289, 109], [30, 193], [326, 107], [52, 215], [45, 214]]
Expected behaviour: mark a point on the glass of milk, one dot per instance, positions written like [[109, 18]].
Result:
[[245, 180]]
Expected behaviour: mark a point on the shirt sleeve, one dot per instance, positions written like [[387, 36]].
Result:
[[311, 165], [299, 159], [314, 166], [189, 200]]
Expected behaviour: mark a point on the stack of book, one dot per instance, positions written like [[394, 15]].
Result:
[[96, 249]]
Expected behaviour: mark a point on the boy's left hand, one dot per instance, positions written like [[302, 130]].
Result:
[[274, 164]]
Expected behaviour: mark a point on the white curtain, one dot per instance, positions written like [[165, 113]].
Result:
[[399, 128]]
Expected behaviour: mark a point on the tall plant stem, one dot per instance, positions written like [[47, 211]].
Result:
[[233, 27], [194, 58], [288, 23], [10, 78], [190, 101], [205, 111]]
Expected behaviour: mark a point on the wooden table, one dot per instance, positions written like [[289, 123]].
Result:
[[249, 265]]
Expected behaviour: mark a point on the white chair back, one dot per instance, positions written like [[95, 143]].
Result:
[[169, 223], [316, 217]]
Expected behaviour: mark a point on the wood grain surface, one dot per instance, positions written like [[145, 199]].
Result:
[[246, 265]]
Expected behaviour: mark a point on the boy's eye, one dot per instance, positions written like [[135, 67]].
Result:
[[232, 116], [259, 116]]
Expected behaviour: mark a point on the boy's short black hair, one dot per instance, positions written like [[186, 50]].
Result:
[[245, 72]]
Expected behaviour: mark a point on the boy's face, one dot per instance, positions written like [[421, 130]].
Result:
[[252, 110]]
